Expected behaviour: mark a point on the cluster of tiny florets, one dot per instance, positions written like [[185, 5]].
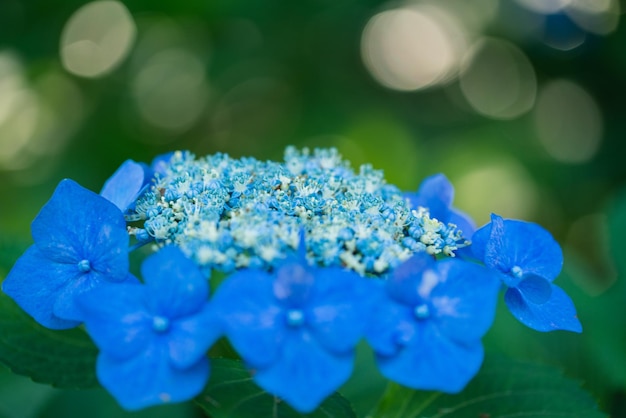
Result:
[[231, 213]]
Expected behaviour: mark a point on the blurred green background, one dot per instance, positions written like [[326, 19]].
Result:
[[519, 102]]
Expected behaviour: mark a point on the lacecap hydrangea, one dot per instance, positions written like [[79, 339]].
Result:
[[317, 257]]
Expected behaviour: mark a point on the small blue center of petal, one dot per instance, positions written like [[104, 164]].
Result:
[[84, 266], [295, 317], [160, 324], [422, 311]]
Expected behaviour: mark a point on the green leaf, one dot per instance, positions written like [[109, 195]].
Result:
[[617, 229], [503, 388], [20, 397], [231, 393], [366, 385], [97, 403], [61, 358]]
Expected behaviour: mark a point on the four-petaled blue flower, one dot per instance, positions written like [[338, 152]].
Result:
[[296, 327], [426, 327], [436, 193], [528, 259], [153, 338], [80, 243]]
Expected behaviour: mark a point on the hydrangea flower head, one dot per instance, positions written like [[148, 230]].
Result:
[[316, 257], [235, 213], [153, 338], [527, 259], [426, 327], [296, 326], [80, 243]]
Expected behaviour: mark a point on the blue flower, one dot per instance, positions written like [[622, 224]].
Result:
[[296, 327], [153, 338], [126, 184], [428, 321], [80, 243], [528, 259], [436, 194]]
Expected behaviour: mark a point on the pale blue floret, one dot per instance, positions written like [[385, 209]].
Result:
[[233, 213]]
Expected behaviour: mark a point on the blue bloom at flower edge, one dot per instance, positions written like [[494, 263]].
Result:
[[436, 193], [126, 184], [527, 259], [153, 338], [427, 323], [296, 327], [80, 243]]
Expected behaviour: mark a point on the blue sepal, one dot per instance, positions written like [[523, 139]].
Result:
[[557, 313], [126, 184]]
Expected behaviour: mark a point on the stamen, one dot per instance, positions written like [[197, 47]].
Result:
[[422, 311], [517, 272], [160, 324], [295, 317], [84, 266]]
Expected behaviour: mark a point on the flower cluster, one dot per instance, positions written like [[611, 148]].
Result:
[[318, 257], [229, 214]]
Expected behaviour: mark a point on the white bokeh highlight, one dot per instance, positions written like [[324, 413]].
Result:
[[97, 38]]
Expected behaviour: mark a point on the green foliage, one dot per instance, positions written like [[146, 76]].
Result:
[[231, 393], [64, 359], [10, 249], [99, 404], [502, 388]]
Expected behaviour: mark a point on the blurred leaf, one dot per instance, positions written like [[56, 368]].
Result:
[[231, 393], [366, 385], [503, 387], [20, 397], [60, 358], [97, 403], [617, 231]]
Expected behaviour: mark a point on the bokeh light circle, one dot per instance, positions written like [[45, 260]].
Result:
[[498, 80], [412, 48], [170, 89], [568, 122], [97, 38]]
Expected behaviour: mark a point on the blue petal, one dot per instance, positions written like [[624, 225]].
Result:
[[339, 308], [436, 194], [389, 324], [464, 300], [117, 320], [176, 285], [161, 162], [512, 243], [252, 318], [65, 305], [149, 379], [557, 313], [306, 373], [479, 242], [126, 184], [432, 362], [35, 283], [190, 338], [403, 284], [77, 224], [294, 282], [536, 289]]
